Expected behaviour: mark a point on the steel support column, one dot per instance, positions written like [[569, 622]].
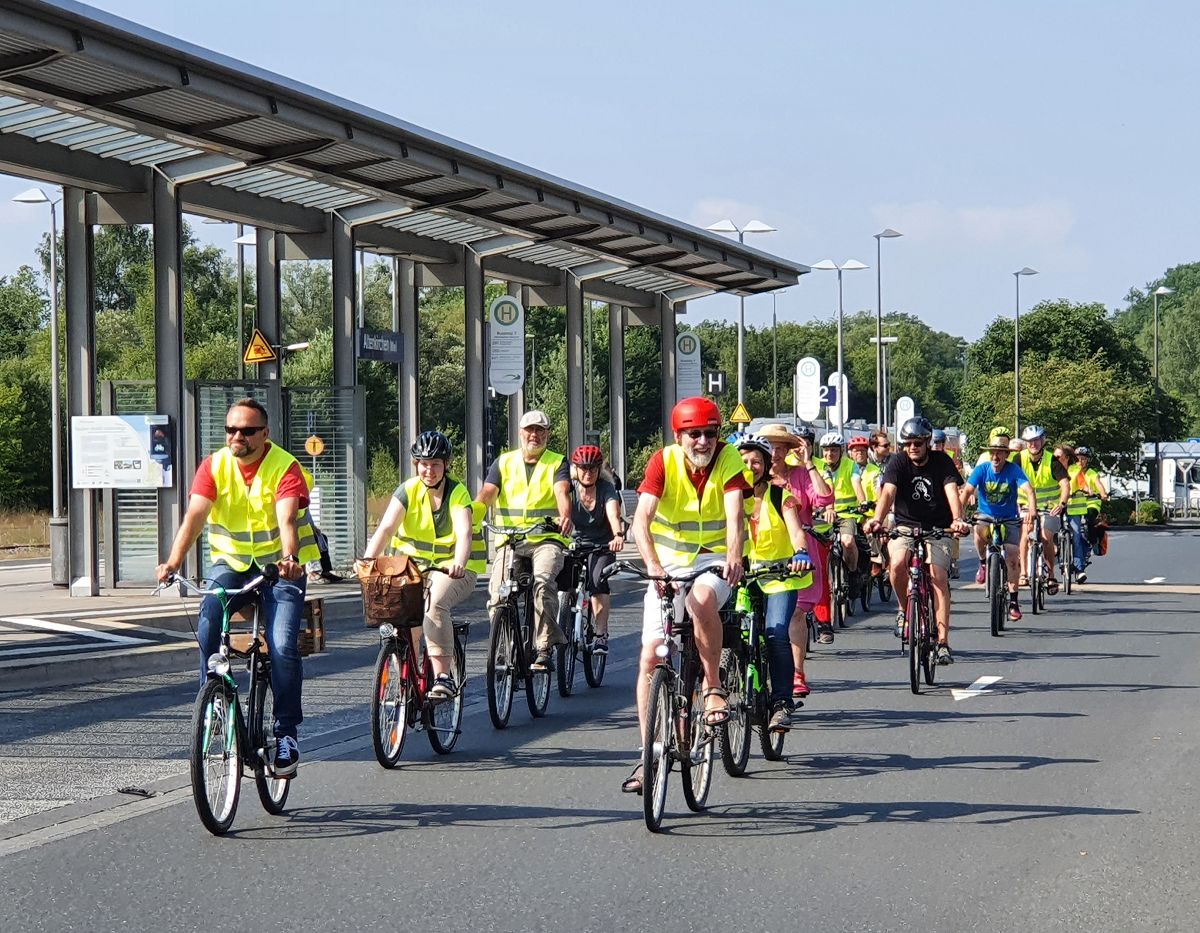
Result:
[[168, 352], [516, 401], [345, 370], [268, 317], [476, 398], [82, 512], [666, 317], [617, 407], [575, 372], [405, 322]]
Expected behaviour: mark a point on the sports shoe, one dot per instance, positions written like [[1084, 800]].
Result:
[[781, 716], [1014, 612], [981, 573], [543, 662], [443, 688], [287, 756], [953, 570], [825, 633], [800, 686], [600, 645], [1081, 577], [944, 656], [900, 622]]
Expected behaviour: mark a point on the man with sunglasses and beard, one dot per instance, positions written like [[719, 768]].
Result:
[[252, 494], [690, 514], [922, 485]]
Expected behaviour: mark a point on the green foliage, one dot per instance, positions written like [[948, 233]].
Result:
[[1150, 512], [22, 308], [1119, 511], [24, 430], [383, 476]]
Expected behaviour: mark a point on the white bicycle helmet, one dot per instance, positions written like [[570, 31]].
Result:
[[832, 439], [1033, 432], [746, 441]]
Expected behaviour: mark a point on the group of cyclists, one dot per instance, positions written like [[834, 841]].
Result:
[[706, 502]]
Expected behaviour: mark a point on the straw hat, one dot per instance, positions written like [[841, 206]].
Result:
[[778, 434]]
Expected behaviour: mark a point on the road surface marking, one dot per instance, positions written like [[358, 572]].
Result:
[[63, 628], [1156, 580], [976, 689]]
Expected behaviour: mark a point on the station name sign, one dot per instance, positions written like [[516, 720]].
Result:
[[382, 345]]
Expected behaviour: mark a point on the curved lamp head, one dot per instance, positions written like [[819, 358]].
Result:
[[1163, 290], [1026, 271], [888, 233], [722, 226], [825, 265], [757, 226], [853, 265], [32, 196]]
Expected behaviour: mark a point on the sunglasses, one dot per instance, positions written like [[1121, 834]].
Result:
[[708, 434], [916, 443], [245, 432]]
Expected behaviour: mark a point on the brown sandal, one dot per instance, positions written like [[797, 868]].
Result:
[[719, 716], [633, 783]]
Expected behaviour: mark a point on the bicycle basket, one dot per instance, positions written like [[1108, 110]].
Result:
[[392, 591]]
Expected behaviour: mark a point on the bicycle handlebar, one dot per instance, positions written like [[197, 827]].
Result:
[[269, 577], [545, 526], [686, 577]]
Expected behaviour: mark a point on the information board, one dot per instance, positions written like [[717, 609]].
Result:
[[122, 452]]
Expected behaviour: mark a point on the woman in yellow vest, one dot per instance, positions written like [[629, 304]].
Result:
[[1086, 484], [430, 519], [775, 535]]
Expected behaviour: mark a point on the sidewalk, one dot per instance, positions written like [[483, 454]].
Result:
[[48, 638]]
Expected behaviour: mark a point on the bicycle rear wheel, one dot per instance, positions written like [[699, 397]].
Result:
[[593, 664], [695, 746], [501, 667], [658, 744], [735, 731], [443, 720], [1069, 564], [567, 653], [865, 587], [771, 742], [390, 700], [272, 791], [537, 683], [215, 762], [837, 596], [885, 585], [997, 592]]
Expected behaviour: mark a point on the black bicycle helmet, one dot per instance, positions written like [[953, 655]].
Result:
[[916, 429], [432, 445], [805, 433]]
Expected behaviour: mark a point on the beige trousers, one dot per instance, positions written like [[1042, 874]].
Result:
[[547, 562], [444, 594]]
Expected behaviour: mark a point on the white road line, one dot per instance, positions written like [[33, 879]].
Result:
[[49, 626], [1156, 580], [976, 689], [49, 650]]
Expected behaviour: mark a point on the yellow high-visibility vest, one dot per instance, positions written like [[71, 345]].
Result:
[[1041, 478], [417, 535], [771, 543], [841, 481], [1083, 485], [242, 526], [686, 525], [523, 502]]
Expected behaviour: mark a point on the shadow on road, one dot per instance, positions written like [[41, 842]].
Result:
[[865, 764]]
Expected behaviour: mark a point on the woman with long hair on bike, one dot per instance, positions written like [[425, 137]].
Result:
[[792, 467], [430, 519]]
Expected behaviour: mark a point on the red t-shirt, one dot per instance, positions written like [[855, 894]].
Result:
[[655, 479], [291, 484]]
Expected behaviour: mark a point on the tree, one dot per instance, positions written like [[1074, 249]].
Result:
[[22, 310]]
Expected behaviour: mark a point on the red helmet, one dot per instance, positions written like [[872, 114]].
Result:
[[860, 441], [695, 412], [587, 455]]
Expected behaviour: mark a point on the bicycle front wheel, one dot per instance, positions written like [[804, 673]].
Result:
[[272, 791], [390, 700], [885, 585], [696, 746], [735, 731], [658, 743], [537, 683], [567, 653], [913, 624], [443, 720], [997, 591], [501, 667], [837, 596], [771, 742], [593, 664], [216, 756], [1037, 579], [929, 640]]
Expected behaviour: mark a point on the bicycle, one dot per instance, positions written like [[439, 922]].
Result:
[[997, 573], [577, 622], [400, 699], [675, 732], [884, 580], [511, 648], [1037, 573], [225, 739], [920, 625], [842, 580], [746, 673], [1066, 556]]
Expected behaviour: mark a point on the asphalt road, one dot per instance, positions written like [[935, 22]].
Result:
[[1059, 798]]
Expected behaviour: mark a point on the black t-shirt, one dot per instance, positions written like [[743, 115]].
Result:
[[920, 490], [592, 527]]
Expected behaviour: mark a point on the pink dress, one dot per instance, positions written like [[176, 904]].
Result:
[[800, 483]]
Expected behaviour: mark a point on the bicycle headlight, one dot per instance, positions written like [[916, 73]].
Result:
[[387, 630], [663, 650], [218, 664]]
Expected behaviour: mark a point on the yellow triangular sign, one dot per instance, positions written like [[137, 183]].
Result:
[[740, 415], [259, 351]]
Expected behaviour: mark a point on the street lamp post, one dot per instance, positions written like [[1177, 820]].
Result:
[[881, 345], [59, 535], [1017, 349], [728, 226], [242, 240], [887, 233], [1161, 290], [850, 265], [774, 354]]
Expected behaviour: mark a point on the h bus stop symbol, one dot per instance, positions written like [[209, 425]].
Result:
[[716, 382]]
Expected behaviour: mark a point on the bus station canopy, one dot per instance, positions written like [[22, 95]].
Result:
[[97, 102]]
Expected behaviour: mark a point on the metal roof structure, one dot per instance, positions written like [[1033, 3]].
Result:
[[92, 100]]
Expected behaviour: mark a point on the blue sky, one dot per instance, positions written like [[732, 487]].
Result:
[[993, 135]]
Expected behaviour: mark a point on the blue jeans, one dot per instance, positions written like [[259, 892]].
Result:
[[1083, 549], [778, 613], [282, 612]]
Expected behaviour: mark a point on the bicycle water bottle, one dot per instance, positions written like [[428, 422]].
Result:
[[744, 608]]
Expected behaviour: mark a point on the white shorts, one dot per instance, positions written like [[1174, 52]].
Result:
[[652, 621]]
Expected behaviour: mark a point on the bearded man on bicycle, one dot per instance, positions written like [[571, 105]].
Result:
[[922, 486], [528, 485], [253, 495], [430, 519], [689, 515]]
